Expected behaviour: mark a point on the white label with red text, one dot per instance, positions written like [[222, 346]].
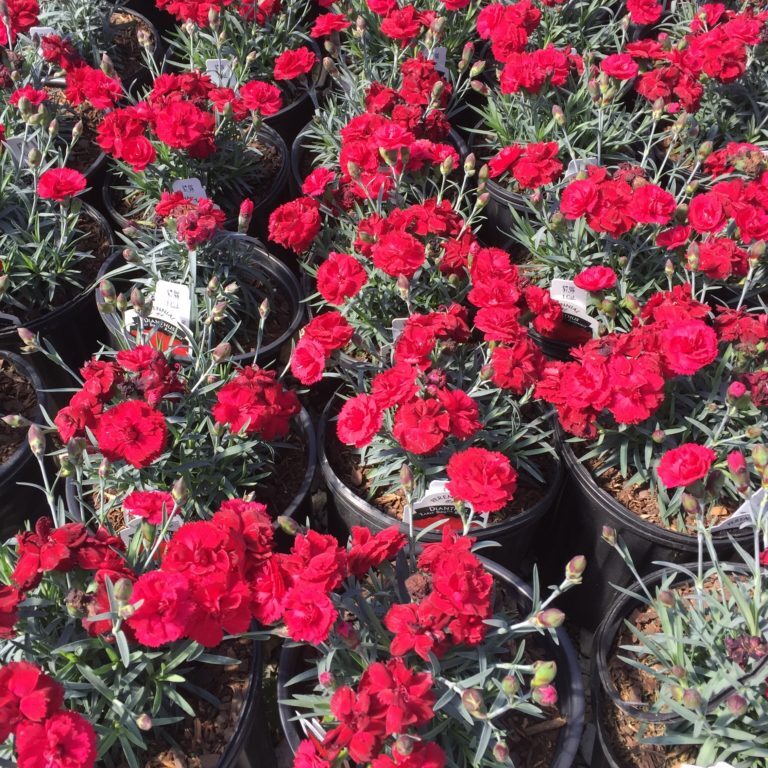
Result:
[[574, 301], [191, 188]]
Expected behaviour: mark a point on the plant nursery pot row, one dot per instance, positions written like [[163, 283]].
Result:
[[568, 682], [269, 279], [22, 392], [575, 528], [347, 508]]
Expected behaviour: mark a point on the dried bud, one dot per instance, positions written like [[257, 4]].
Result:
[[543, 673], [287, 525], [180, 492], [473, 702], [214, 17], [736, 704], [144, 722], [575, 568], [550, 618], [36, 440], [609, 535], [330, 67]]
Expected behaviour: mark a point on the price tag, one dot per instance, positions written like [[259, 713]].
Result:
[[191, 188], [398, 326], [440, 55], [744, 515], [436, 504], [221, 72], [38, 33], [172, 302], [574, 301]]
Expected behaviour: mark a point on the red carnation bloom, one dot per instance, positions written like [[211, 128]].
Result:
[[706, 213], [66, 740], [340, 277], [150, 505], [359, 420], [264, 98], [308, 613], [331, 330], [368, 550], [398, 253], [10, 597], [688, 346], [421, 426], [685, 465], [26, 693], [595, 279], [133, 432], [296, 224], [620, 65], [308, 361], [652, 205], [517, 367], [163, 605], [644, 11], [328, 23], [60, 184], [315, 184], [291, 64], [22, 16], [485, 479], [182, 125]]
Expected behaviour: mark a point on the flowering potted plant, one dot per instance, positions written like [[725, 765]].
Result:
[[679, 669], [122, 651], [214, 428], [189, 132], [53, 247], [250, 40], [423, 658], [657, 408], [225, 286]]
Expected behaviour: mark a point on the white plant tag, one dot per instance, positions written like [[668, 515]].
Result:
[[133, 524], [440, 55], [172, 302], [574, 301], [192, 188], [437, 502], [221, 72], [398, 326], [38, 33], [19, 148], [742, 517], [577, 166]]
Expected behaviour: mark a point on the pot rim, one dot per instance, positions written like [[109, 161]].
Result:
[[380, 519], [655, 533], [571, 694]]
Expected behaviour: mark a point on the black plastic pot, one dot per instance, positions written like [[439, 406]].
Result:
[[603, 692], [554, 349], [568, 681], [259, 223], [346, 508], [300, 156], [19, 503], [72, 328], [264, 265], [161, 20], [576, 529], [143, 77]]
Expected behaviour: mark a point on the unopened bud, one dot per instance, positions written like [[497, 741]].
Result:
[[222, 352], [550, 618], [477, 69], [137, 299], [669, 268], [34, 157], [482, 201], [406, 479], [403, 745], [737, 465], [473, 702], [107, 291], [575, 568], [544, 673], [126, 611], [180, 492], [15, 421], [219, 311], [500, 752], [736, 704], [666, 598], [103, 471], [36, 440], [123, 590], [609, 535], [546, 696], [691, 699], [447, 165], [480, 87], [558, 114], [469, 164], [144, 722], [330, 66], [107, 67], [690, 504], [705, 150], [760, 457], [287, 525], [30, 341], [510, 686], [213, 286]]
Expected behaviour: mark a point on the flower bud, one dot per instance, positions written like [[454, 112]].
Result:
[[666, 598], [609, 535], [482, 201], [66, 468], [447, 165], [144, 722], [403, 745], [121, 302], [137, 299], [219, 311], [714, 483], [550, 618], [691, 698], [180, 492], [36, 440], [736, 390], [558, 114], [669, 268], [222, 352], [500, 752], [107, 291], [543, 673], [575, 568], [406, 479], [679, 673], [53, 128], [479, 86], [477, 69], [692, 257], [107, 67], [737, 465], [245, 215], [326, 679], [760, 457], [4, 283], [213, 286], [510, 686], [546, 696], [287, 525], [658, 436], [469, 164], [736, 704], [126, 611], [473, 702], [123, 589], [34, 157], [690, 504], [15, 421], [264, 309], [103, 469], [29, 339], [230, 289], [77, 131]]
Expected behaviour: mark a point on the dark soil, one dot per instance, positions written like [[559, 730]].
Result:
[[280, 489], [346, 463], [278, 320], [203, 739], [17, 396], [126, 52], [640, 500], [86, 151]]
